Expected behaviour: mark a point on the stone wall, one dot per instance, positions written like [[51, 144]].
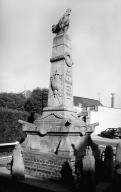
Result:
[[45, 166]]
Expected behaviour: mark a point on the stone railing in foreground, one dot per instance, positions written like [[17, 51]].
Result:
[[6, 152]]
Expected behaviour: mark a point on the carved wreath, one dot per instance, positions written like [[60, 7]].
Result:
[[68, 59]]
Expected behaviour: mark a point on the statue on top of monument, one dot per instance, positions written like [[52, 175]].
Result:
[[63, 24]]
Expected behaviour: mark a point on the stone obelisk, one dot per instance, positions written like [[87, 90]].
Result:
[[59, 117], [61, 88], [50, 139]]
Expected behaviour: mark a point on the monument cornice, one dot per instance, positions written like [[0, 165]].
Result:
[[57, 58]]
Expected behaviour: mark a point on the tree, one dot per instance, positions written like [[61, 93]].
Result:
[[11, 110], [37, 101], [10, 129], [12, 100]]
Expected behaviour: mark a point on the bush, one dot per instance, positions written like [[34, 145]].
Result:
[[10, 129]]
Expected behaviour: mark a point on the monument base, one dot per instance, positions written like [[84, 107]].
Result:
[[53, 140], [52, 165], [46, 166], [54, 132]]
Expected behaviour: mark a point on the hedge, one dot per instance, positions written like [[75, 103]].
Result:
[[10, 129]]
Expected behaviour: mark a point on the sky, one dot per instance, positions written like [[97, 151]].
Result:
[[26, 45]]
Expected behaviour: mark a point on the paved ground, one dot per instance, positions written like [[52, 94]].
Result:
[[31, 182]]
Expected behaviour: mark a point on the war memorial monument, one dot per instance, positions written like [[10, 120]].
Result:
[[54, 136]]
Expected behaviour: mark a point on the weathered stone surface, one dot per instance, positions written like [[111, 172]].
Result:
[[18, 163], [59, 120], [88, 160], [118, 159], [63, 24], [88, 173], [45, 165], [108, 163], [61, 45], [61, 85], [58, 129]]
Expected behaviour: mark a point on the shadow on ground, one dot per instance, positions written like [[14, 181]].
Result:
[[9, 185]]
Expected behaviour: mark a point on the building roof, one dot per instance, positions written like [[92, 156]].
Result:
[[86, 102]]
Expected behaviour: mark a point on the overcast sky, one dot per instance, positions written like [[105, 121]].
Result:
[[26, 45]]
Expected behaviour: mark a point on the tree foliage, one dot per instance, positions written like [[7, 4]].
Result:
[[14, 107], [10, 129], [37, 101], [12, 100]]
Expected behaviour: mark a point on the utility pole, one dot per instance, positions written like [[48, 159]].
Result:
[[99, 96], [112, 100]]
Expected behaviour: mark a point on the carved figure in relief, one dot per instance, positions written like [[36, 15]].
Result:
[[56, 85], [63, 23]]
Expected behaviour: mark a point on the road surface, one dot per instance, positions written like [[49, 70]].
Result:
[[105, 141]]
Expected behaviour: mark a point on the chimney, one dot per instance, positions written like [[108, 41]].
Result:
[[99, 96], [112, 100]]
